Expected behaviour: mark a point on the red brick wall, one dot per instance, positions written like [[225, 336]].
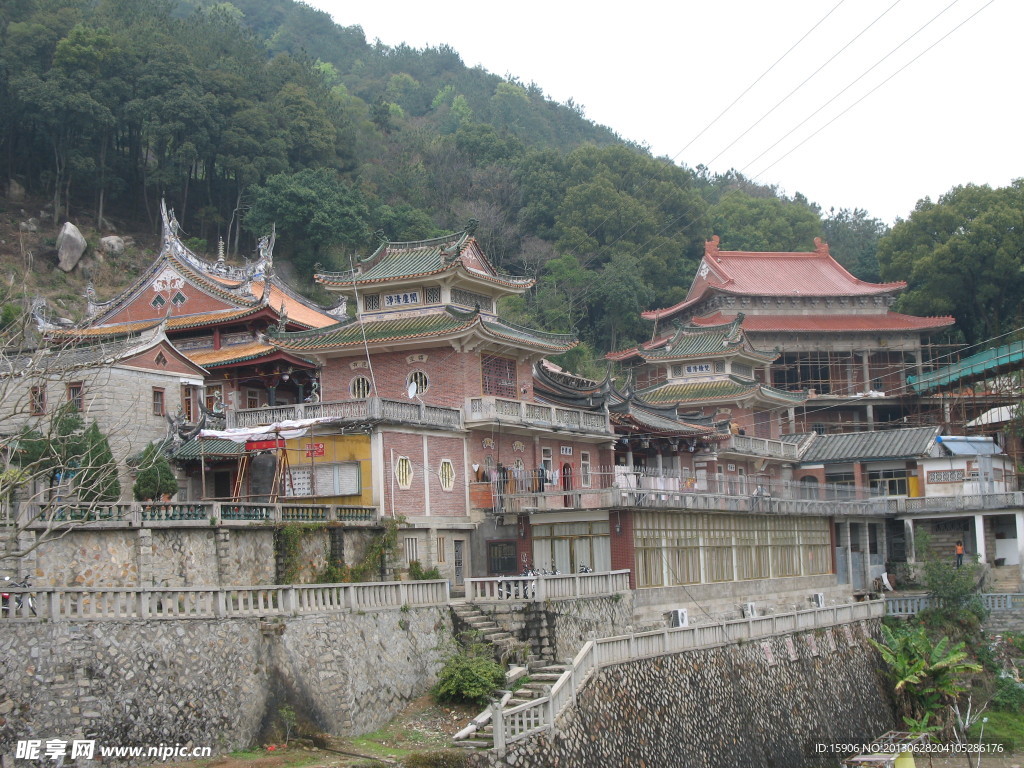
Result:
[[141, 309], [413, 500], [451, 376], [623, 556]]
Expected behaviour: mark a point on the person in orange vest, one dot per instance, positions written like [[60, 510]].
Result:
[[959, 554]]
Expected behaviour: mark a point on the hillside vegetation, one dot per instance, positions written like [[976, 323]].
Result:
[[255, 112]]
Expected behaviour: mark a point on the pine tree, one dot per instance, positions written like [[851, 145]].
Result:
[[97, 479], [155, 478]]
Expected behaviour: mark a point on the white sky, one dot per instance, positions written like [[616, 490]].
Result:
[[659, 73]]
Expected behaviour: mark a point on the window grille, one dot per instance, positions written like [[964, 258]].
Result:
[[37, 398], [471, 299], [403, 472], [360, 387], [75, 391], [446, 474], [371, 303], [432, 295], [419, 378], [499, 376]]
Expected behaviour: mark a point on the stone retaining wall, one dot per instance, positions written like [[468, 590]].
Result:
[[212, 682], [181, 556], [762, 703]]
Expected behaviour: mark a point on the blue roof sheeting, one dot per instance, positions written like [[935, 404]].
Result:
[[977, 366]]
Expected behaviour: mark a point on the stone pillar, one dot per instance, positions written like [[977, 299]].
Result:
[[144, 557], [226, 572], [979, 537], [908, 534], [865, 367], [27, 564], [791, 412], [849, 554], [869, 412]]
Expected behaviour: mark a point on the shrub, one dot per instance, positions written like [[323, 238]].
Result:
[[155, 478], [468, 678], [447, 758], [417, 573]]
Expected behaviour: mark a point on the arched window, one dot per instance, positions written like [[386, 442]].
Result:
[[360, 387], [808, 487]]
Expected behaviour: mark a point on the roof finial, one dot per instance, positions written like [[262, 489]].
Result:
[[711, 246], [821, 247], [471, 227]]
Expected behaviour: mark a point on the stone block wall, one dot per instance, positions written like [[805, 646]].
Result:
[[216, 682], [752, 704]]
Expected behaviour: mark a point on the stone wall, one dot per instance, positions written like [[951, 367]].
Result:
[[726, 707], [180, 556], [214, 683]]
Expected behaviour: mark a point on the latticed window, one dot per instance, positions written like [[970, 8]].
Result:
[[432, 295], [403, 472], [472, 299], [446, 474], [158, 301], [499, 375], [360, 387], [178, 299], [585, 469], [371, 302], [158, 401]]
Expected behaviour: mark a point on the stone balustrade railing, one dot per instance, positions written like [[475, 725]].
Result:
[[909, 605], [760, 446], [539, 715], [209, 603], [371, 408], [185, 514], [489, 409], [903, 505], [543, 587]]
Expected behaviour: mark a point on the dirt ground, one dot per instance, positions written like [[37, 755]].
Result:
[[422, 726]]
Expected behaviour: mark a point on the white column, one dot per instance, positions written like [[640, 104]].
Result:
[[979, 536], [426, 477], [908, 534], [849, 555]]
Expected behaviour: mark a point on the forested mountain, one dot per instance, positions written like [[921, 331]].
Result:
[[247, 113]]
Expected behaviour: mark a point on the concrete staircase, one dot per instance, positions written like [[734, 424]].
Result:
[[1004, 578], [538, 673]]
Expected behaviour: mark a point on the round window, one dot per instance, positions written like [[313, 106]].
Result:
[[360, 387], [417, 382]]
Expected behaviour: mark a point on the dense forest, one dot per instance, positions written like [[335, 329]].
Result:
[[247, 113]]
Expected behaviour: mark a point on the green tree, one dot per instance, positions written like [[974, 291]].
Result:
[[155, 477], [962, 256], [97, 479], [748, 223], [927, 676]]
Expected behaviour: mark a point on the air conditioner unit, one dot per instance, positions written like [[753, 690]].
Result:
[[749, 611], [818, 599], [679, 617]]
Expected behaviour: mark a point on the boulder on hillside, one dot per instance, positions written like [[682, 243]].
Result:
[[112, 244], [15, 192], [70, 246], [30, 225]]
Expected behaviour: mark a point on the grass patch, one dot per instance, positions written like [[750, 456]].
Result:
[[1006, 728]]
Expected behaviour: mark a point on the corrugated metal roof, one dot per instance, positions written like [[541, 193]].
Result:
[[859, 446], [969, 446], [979, 365]]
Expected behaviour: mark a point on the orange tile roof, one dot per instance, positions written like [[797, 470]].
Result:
[[230, 354], [773, 273], [889, 321]]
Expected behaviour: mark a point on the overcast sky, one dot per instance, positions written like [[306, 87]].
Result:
[[660, 73]]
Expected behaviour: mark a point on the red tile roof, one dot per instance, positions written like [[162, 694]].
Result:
[[889, 321], [783, 273]]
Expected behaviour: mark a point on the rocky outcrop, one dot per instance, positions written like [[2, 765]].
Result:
[[112, 244], [71, 245]]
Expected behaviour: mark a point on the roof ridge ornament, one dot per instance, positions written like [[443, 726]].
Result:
[[471, 226], [711, 246]]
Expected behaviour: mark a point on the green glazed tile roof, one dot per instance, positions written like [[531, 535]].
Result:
[[196, 449], [425, 325], [729, 388], [693, 341], [395, 261]]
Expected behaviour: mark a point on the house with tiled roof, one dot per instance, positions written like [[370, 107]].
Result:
[[216, 315], [440, 388], [835, 336]]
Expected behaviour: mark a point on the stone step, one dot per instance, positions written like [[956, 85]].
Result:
[[544, 677]]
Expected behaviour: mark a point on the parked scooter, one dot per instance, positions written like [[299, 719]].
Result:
[[584, 568], [19, 598]]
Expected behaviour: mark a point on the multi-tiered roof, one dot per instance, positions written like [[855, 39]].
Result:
[[790, 291], [407, 294]]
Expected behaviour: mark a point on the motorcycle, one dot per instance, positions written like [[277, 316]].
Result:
[[584, 568], [523, 590], [20, 599]]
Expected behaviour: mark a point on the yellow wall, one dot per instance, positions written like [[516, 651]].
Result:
[[337, 448]]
